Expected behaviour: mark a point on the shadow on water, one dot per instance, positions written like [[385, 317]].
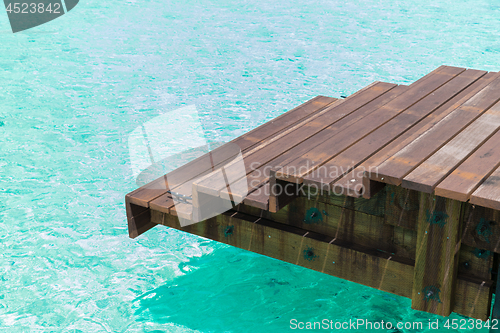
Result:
[[235, 290]]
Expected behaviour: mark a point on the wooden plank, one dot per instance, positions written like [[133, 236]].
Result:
[[143, 195], [259, 198], [316, 157], [354, 263], [331, 112], [271, 149], [311, 250], [216, 158], [481, 229], [355, 184], [432, 171], [488, 193], [394, 169], [470, 264], [473, 298], [382, 136], [262, 173], [254, 183], [282, 193], [436, 259], [333, 221], [138, 219], [405, 242], [465, 179], [402, 207], [373, 206]]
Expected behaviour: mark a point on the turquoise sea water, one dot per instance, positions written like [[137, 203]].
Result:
[[71, 92]]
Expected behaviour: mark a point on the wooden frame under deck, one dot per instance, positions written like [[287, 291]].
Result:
[[418, 213]]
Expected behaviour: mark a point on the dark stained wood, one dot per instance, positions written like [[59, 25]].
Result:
[[383, 135], [472, 298], [402, 207], [196, 168], [353, 183], [138, 218], [481, 229], [303, 165], [262, 173], [259, 198], [432, 171], [352, 262], [465, 179], [431, 247], [394, 169], [436, 261], [269, 150], [469, 264], [308, 249], [281, 193], [488, 193]]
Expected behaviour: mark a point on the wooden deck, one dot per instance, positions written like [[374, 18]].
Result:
[[314, 189]]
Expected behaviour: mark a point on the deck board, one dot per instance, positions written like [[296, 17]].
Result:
[[488, 194], [432, 171], [469, 175], [143, 195], [390, 131], [394, 169], [261, 174], [307, 163], [432, 146], [352, 183], [295, 136]]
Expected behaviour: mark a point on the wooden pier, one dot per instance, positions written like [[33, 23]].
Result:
[[395, 187]]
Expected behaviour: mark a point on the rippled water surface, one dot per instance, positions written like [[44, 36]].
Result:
[[72, 91]]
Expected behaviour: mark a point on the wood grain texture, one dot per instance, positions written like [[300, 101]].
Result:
[[469, 175], [436, 259], [258, 157], [488, 193], [359, 264], [481, 229], [391, 130], [353, 183], [143, 195], [308, 249], [402, 207], [456, 118], [306, 164], [432, 171], [262, 173], [394, 169]]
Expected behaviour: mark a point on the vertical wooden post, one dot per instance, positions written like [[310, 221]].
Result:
[[436, 262], [139, 219], [496, 306]]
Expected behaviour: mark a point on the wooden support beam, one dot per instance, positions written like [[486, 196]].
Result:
[[495, 315], [138, 218], [438, 243], [402, 207], [481, 229], [356, 263], [339, 222]]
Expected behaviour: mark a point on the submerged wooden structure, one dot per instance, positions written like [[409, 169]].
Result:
[[395, 187]]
